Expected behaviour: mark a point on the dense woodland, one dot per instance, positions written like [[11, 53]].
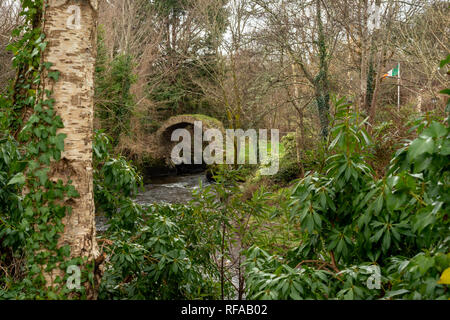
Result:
[[359, 91]]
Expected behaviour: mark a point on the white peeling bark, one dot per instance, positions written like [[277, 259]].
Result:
[[70, 29]]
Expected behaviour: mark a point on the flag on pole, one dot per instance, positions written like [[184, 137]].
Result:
[[393, 73]]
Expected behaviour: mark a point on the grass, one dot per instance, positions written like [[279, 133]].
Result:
[[245, 152]]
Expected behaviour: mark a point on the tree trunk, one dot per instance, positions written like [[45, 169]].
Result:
[[321, 81], [365, 53], [299, 130], [70, 29]]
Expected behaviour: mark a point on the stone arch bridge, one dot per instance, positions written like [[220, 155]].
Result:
[[162, 137]]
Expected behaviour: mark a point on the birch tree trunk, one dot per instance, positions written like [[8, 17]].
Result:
[[70, 29]]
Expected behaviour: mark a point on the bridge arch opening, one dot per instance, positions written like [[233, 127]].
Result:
[[164, 138], [183, 168]]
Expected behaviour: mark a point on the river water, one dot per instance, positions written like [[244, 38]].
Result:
[[168, 189], [172, 189]]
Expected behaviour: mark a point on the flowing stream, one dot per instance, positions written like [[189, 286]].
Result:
[[172, 189], [168, 189]]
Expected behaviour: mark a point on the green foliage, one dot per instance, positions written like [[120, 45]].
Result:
[[116, 182], [231, 220], [11, 180], [339, 224], [289, 168], [163, 259], [114, 101], [353, 222], [417, 278], [268, 278], [156, 252]]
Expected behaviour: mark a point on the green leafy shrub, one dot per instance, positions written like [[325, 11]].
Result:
[[162, 259], [353, 222], [11, 178], [116, 183], [289, 168], [114, 102]]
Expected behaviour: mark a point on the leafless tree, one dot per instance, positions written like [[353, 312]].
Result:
[[9, 20]]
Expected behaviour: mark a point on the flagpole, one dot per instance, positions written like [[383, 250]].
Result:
[[398, 88]]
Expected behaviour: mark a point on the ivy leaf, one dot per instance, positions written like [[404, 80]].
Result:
[[37, 132], [56, 155], [33, 119], [72, 192], [65, 251], [47, 65], [60, 141], [54, 75], [42, 175], [45, 158]]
